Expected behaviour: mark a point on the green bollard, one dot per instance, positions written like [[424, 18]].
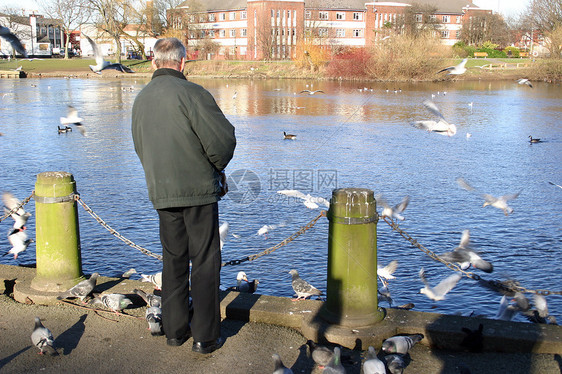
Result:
[[352, 259], [59, 262]]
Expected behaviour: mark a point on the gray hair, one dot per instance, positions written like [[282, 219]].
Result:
[[168, 51]]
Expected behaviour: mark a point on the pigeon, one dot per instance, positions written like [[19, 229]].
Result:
[[114, 301], [81, 290], [153, 316], [320, 354], [149, 298], [102, 64], [455, 70], [395, 363], [19, 241], [400, 344], [525, 81], [466, 257], [73, 119], [438, 292], [302, 288], [310, 202], [128, 273], [500, 202], [42, 338], [440, 127], [19, 215], [155, 279], [279, 367], [393, 212], [311, 92], [289, 136], [372, 364], [387, 271], [335, 366], [13, 40]]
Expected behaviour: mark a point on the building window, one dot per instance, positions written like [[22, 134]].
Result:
[[288, 14], [357, 33], [232, 16], [222, 17], [243, 15], [222, 33], [202, 18], [433, 18], [322, 31], [212, 33], [202, 34], [445, 34], [446, 19], [419, 18], [192, 18], [340, 15], [458, 34], [243, 32], [233, 33], [459, 19], [323, 15], [307, 14], [211, 17], [340, 33], [357, 16]]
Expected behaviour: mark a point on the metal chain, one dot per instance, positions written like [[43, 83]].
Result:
[[512, 286], [115, 233], [15, 209]]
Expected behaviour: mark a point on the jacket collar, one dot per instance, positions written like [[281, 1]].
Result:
[[168, 71]]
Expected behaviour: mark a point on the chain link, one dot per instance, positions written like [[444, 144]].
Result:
[[506, 286], [15, 209]]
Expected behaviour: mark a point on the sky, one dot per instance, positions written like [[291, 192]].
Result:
[[508, 8]]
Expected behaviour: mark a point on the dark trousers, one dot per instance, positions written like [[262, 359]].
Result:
[[191, 234]]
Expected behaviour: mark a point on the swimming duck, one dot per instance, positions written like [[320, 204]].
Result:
[[534, 140], [289, 136]]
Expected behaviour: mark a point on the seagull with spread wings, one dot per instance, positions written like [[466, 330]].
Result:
[[102, 64]]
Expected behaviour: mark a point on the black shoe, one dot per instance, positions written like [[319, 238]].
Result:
[[207, 347], [176, 342]]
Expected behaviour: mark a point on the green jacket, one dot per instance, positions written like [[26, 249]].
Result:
[[183, 141]]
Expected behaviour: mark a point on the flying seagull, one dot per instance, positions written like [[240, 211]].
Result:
[[525, 81], [500, 202], [311, 92], [73, 119], [395, 211], [311, 202], [466, 256], [42, 338], [19, 241], [302, 288], [387, 271], [455, 70], [102, 64], [441, 126], [20, 216], [13, 40], [438, 292]]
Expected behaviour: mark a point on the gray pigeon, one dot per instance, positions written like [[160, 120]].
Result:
[[42, 338], [302, 288], [372, 364], [114, 301], [320, 354], [280, 368], [81, 290], [13, 40], [150, 298], [153, 316], [400, 344], [335, 366], [395, 363]]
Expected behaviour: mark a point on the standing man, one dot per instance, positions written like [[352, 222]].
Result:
[[184, 142]]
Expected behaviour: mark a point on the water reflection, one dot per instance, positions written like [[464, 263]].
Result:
[[346, 137]]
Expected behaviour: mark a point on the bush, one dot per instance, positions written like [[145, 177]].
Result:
[[350, 63], [461, 50], [512, 52], [492, 53]]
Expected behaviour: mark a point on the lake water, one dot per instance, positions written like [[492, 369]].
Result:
[[346, 137]]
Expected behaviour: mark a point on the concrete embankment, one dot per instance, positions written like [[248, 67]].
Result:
[[255, 327]]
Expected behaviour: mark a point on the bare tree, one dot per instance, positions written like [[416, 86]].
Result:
[[488, 27], [417, 20], [71, 13], [546, 17], [17, 23]]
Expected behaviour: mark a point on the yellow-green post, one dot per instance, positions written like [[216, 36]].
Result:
[[57, 242], [351, 298]]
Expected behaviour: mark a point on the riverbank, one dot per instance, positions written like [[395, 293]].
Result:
[[478, 69], [255, 327]]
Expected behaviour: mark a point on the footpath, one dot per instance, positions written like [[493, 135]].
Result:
[[255, 327]]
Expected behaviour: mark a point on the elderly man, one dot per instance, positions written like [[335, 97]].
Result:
[[184, 142]]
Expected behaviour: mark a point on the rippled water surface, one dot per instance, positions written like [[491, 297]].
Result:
[[346, 137]]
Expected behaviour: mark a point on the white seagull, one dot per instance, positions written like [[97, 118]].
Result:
[[19, 215], [102, 64], [73, 119], [311, 92], [13, 40], [466, 256], [441, 126], [395, 211], [525, 81], [19, 241], [438, 292], [455, 70], [311, 202], [500, 202], [387, 271]]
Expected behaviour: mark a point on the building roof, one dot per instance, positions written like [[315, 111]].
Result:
[[443, 6]]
